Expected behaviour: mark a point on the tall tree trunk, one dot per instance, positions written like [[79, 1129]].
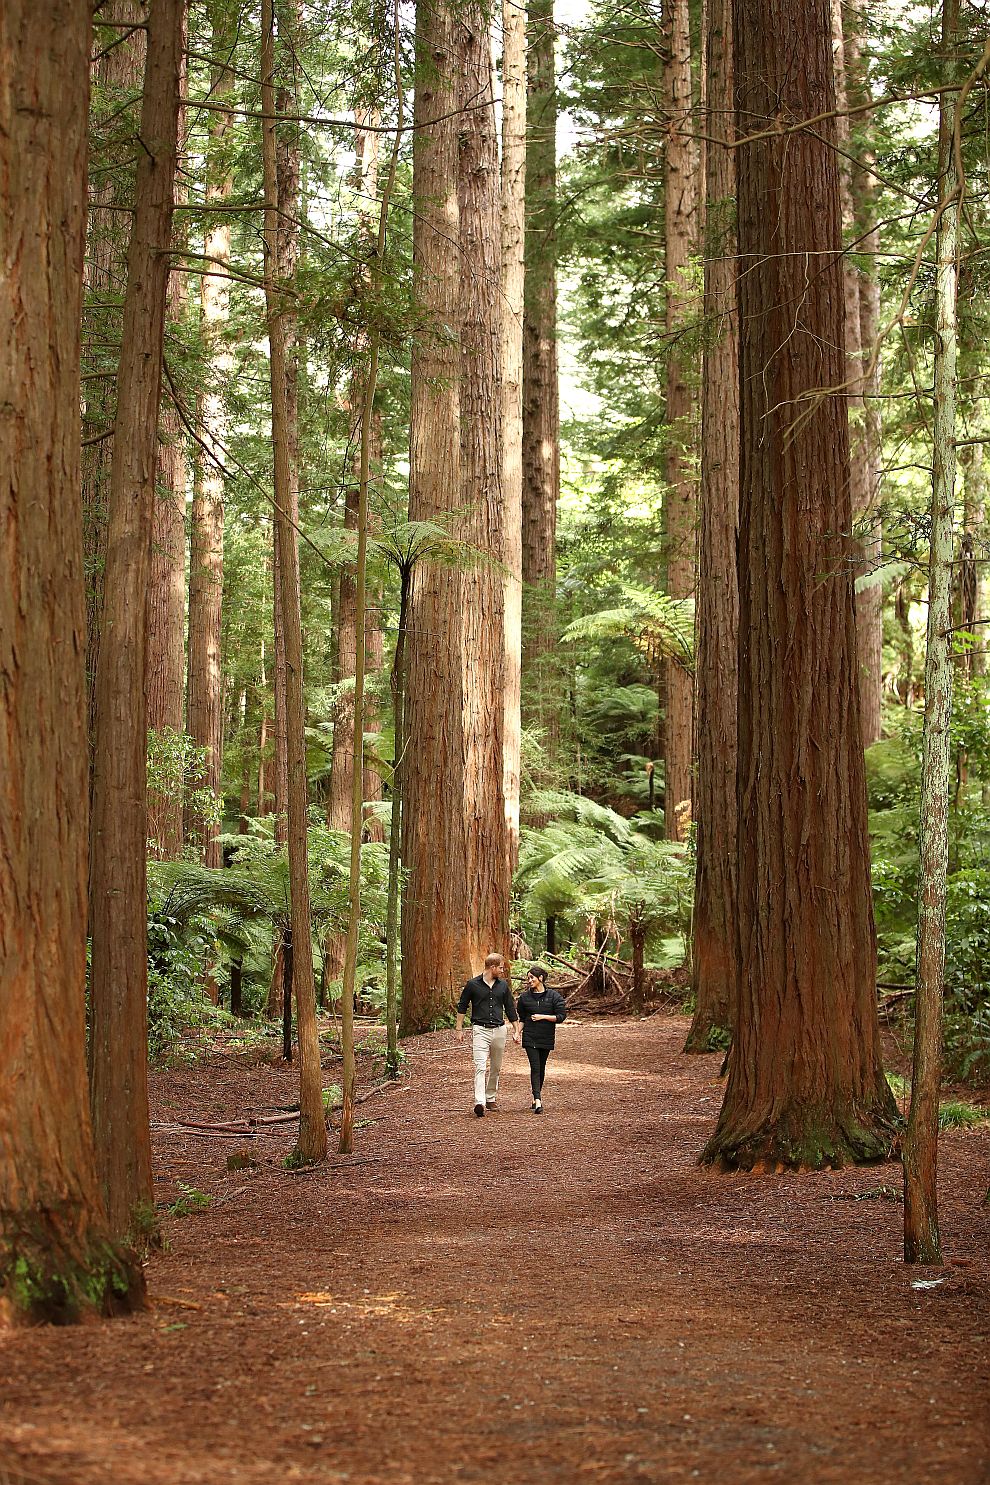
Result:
[[205, 678], [287, 180], [482, 606], [680, 228], [806, 1084], [312, 1142], [541, 392], [119, 980], [975, 509], [339, 805], [167, 588], [861, 485], [56, 1259], [435, 954], [395, 831], [869, 601], [513, 296], [714, 938], [922, 1242], [118, 76]]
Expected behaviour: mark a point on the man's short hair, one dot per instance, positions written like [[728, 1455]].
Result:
[[491, 959]]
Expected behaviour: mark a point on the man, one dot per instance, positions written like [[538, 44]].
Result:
[[490, 1000]]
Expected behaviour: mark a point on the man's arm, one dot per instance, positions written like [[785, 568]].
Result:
[[462, 1006]]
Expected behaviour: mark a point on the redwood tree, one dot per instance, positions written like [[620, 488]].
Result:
[[680, 224], [205, 681], [714, 928], [483, 594], [806, 1083], [56, 1257], [119, 982], [312, 1142], [513, 292], [541, 392], [435, 957]]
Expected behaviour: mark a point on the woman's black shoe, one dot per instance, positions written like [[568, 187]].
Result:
[[479, 1109]]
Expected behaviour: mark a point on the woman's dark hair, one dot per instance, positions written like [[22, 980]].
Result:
[[539, 972]]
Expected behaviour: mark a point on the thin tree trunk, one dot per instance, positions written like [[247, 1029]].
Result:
[[119, 979], [513, 295], [287, 179], [348, 1074], [975, 506], [680, 225], [118, 76], [869, 601], [435, 956], [714, 948], [861, 485], [167, 586], [339, 807], [205, 680], [922, 1243], [806, 1085], [395, 836], [482, 607], [56, 1257], [312, 1142], [541, 393]]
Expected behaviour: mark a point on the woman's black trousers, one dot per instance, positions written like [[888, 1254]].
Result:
[[537, 1067]]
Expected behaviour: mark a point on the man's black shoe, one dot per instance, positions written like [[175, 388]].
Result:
[[479, 1109], [537, 1107]]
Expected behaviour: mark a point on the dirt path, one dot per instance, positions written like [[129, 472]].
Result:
[[514, 1299]]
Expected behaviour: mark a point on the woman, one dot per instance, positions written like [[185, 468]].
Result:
[[540, 1010]]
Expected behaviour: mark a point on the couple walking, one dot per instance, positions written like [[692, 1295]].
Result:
[[489, 998]]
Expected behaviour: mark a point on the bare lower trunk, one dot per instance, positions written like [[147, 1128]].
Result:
[[922, 1243], [312, 1142], [806, 1085], [513, 291], [861, 428], [56, 1257], [205, 683], [117, 75], [869, 601], [119, 1039], [541, 393], [680, 220], [167, 594], [714, 946], [435, 957], [482, 607]]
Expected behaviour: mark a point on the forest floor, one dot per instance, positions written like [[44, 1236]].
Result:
[[516, 1299]]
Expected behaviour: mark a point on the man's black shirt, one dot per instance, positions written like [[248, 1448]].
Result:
[[487, 1002]]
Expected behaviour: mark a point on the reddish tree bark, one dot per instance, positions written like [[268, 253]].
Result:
[[167, 591], [513, 296], [312, 1140], [435, 956], [119, 981], [806, 1084], [117, 75], [680, 225], [541, 393], [713, 965], [483, 596], [205, 679], [56, 1257]]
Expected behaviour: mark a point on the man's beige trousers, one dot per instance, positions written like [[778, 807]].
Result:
[[488, 1046]]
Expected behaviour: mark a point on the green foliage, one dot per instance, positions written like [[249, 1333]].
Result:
[[589, 861], [190, 1202], [176, 769]]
